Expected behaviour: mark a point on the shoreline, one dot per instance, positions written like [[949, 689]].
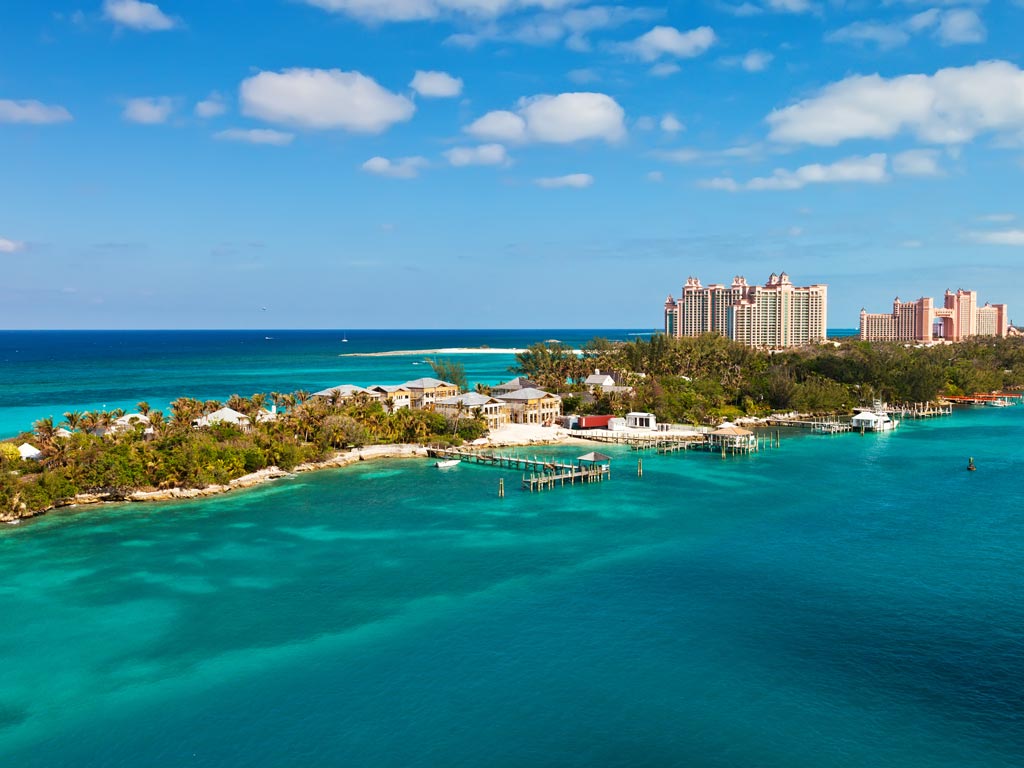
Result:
[[445, 351], [339, 460]]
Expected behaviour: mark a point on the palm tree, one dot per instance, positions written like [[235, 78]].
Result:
[[46, 432], [302, 396], [156, 421], [142, 407], [90, 422], [73, 420]]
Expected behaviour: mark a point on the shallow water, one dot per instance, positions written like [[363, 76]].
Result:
[[843, 601]]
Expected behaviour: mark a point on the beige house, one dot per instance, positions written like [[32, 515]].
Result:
[[533, 406], [426, 392], [474, 405], [511, 386], [394, 398]]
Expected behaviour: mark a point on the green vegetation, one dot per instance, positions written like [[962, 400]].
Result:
[[171, 453], [708, 378]]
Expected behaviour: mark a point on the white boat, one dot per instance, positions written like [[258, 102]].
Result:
[[446, 463], [1000, 403], [874, 421]]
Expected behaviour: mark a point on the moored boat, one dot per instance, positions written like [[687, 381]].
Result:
[[446, 463]]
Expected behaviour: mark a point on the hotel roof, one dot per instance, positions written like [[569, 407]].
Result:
[[426, 383], [529, 393]]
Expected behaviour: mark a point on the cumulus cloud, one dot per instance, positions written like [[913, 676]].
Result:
[[952, 106], [958, 26], [670, 124], [212, 106], [485, 154], [422, 10], [323, 99], [32, 112], [665, 68], [917, 162], [11, 246], [865, 170], [561, 119], [256, 136], [756, 61], [135, 14], [1001, 237], [436, 85], [401, 168], [148, 111], [790, 6], [573, 180], [669, 41]]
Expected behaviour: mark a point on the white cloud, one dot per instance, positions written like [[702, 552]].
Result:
[[436, 85], [664, 69], [148, 111], [256, 136], [401, 168], [960, 26], [917, 162], [670, 124], [999, 218], [146, 17], [1002, 237], [756, 61], [11, 246], [954, 27], [421, 10], [574, 180], [655, 176], [561, 119], [912, 244], [212, 106], [790, 6], [32, 112], [485, 154], [500, 125], [669, 41], [323, 99], [950, 107], [869, 170]]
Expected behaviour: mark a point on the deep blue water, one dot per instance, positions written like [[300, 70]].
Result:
[[840, 601]]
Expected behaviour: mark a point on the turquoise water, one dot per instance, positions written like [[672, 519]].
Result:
[[839, 601]]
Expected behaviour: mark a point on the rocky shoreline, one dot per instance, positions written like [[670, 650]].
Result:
[[340, 459]]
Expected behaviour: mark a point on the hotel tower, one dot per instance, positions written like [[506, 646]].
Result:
[[772, 316], [921, 321]]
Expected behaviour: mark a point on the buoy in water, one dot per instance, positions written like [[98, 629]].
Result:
[[970, 465]]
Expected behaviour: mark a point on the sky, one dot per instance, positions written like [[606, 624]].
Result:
[[500, 163]]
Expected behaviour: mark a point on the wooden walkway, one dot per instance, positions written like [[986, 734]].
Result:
[[539, 474]]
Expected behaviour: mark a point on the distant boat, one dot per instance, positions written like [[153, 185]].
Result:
[[447, 463], [344, 339], [970, 465], [268, 338], [1000, 403]]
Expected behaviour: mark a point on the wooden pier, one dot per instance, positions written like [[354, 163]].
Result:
[[712, 441], [539, 474]]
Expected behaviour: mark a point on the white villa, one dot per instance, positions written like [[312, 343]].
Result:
[[399, 396], [29, 452]]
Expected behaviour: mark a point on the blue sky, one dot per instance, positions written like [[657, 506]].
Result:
[[499, 163]]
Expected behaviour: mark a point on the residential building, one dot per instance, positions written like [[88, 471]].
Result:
[[532, 406], [425, 392], [393, 397], [775, 315], [922, 322], [343, 393], [495, 412]]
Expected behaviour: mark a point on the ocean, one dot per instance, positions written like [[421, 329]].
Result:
[[842, 600]]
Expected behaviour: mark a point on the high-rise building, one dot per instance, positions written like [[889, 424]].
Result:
[[774, 315], [921, 321]]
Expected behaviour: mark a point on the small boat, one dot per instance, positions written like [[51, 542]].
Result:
[[446, 463], [970, 465], [344, 339], [1000, 403]]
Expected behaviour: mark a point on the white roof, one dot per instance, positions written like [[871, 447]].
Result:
[[229, 415], [390, 388], [470, 399], [639, 413], [526, 394], [426, 383], [29, 451], [867, 416], [600, 380]]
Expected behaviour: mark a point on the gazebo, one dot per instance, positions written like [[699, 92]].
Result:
[[729, 437], [593, 458]]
